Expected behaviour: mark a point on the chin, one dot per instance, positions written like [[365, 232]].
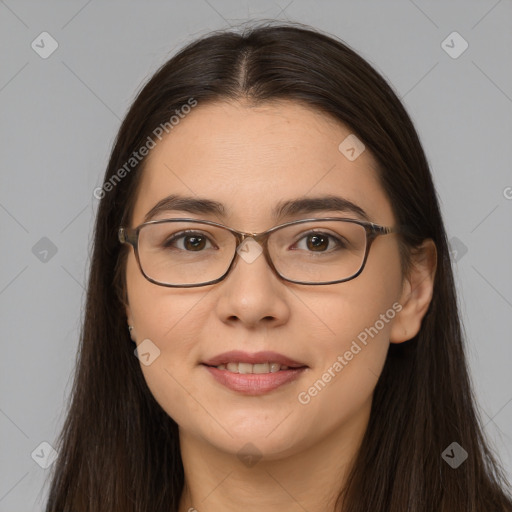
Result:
[[248, 447], [270, 439]]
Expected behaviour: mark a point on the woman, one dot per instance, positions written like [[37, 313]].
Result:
[[280, 363]]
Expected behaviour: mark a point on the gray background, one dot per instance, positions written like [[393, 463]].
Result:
[[59, 117]]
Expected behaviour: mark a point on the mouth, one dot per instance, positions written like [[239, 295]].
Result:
[[253, 374]]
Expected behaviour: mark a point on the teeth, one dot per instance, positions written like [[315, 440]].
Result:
[[275, 367], [246, 368], [261, 368]]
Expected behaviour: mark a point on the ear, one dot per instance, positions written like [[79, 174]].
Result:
[[131, 327], [417, 291]]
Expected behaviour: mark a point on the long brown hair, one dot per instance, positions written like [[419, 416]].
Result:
[[119, 450]]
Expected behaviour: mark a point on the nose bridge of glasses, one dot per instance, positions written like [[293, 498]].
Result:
[[247, 252], [251, 247], [243, 241], [242, 236]]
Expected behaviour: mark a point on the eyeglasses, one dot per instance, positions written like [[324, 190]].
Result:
[[186, 253]]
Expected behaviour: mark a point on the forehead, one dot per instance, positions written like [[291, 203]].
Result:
[[250, 158]]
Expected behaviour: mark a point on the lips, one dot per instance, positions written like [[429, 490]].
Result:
[[253, 374]]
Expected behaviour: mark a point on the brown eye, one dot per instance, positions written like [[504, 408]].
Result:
[[193, 242], [317, 242], [320, 242]]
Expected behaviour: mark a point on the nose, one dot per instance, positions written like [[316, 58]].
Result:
[[252, 294]]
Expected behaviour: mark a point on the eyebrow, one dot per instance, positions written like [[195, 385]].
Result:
[[283, 209]]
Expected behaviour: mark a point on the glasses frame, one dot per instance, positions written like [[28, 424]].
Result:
[[130, 236]]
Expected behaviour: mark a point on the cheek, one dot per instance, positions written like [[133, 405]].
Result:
[[159, 312], [363, 308], [174, 338], [351, 357], [162, 317], [358, 316], [339, 389]]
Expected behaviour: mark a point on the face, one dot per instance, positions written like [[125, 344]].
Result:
[[250, 159]]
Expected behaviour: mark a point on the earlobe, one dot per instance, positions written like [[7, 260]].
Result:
[[130, 323], [417, 293]]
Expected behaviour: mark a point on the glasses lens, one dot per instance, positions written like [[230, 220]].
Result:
[[185, 252], [318, 251]]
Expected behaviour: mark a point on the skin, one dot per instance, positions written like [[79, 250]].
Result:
[[249, 158]]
